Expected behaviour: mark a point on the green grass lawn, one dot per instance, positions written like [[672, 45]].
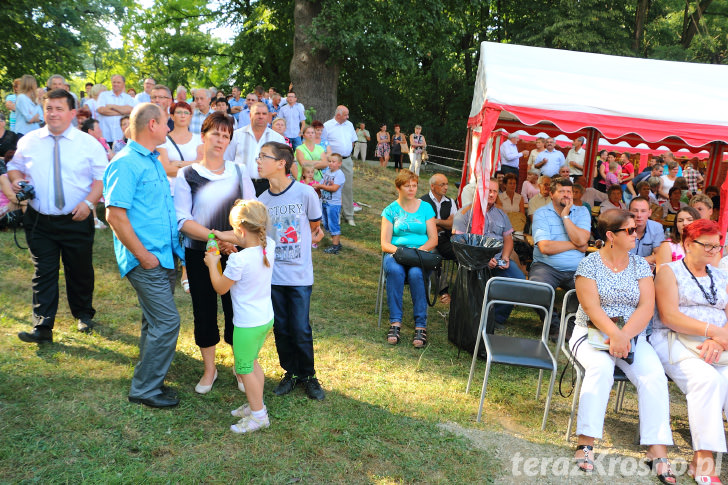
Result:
[[64, 416]]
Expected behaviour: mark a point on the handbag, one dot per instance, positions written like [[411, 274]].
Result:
[[415, 257], [597, 338], [691, 343], [425, 260], [404, 147]]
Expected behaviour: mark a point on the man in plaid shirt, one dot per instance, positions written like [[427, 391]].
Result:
[[202, 100], [692, 176]]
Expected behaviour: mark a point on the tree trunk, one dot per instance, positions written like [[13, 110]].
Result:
[[315, 79], [691, 23], [643, 7]]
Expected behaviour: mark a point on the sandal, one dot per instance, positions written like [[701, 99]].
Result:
[[703, 479], [585, 464], [186, 285], [420, 336], [393, 334], [706, 480], [666, 476]]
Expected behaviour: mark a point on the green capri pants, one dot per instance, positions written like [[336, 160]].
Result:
[[247, 343]]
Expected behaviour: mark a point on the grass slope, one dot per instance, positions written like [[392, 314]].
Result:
[[64, 416]]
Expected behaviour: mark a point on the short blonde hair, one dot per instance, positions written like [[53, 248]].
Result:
[[701, 198]]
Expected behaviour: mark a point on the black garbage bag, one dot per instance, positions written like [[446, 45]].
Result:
[[473, 252]]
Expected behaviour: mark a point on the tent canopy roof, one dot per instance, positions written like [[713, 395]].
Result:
[[616, 95]]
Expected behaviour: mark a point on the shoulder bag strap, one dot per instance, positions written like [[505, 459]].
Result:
[[175, 145]]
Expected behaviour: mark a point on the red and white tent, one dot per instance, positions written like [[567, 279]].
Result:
[[659, 103]]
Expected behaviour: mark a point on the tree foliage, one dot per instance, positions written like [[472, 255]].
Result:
[[171, 42], [407, 61], [43, 37]]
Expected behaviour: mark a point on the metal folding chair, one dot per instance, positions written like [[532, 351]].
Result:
[[516, 351]]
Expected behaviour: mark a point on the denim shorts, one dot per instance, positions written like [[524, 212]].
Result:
[[331, 218]]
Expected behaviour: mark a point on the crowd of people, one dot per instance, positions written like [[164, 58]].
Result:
[[174, 174], [177, 175], [654, 285], [395, 147]]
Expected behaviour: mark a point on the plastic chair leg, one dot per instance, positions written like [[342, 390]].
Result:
[[379, 286], [475, 356], [485, 384], [548, 399], [577, 390], [380, 296]]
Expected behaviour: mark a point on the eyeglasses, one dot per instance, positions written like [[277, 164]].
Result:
[[161, 97], [628, 230], [708, 248], [262, 155]]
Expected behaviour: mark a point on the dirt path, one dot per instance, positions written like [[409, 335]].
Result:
[[522, 461]]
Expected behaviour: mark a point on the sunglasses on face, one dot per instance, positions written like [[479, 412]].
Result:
[[628, 230]]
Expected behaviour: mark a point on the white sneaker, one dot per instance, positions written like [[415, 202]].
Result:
[[351, 222], [249, 424], [357, 207], [242, 411]]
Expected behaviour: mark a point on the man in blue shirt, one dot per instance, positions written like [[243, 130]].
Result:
[[295, 115], [550, 160], [498, 226], [650, 234], [141, 213], [236, 103], [561, 234]]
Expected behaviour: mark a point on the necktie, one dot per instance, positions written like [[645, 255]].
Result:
[[57, 182]]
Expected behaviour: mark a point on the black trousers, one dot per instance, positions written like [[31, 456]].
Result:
[[506, 169], [204, 301], [397, 159], [50, 240]]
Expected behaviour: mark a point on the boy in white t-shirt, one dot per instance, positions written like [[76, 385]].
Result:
[[333, 179]]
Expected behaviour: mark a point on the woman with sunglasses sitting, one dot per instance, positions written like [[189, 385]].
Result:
[[692, 296], [611, 283]]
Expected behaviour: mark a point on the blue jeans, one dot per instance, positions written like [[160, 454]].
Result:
[[331, 215], [295, 142], [502, 312], [292, 330], [396, 274]]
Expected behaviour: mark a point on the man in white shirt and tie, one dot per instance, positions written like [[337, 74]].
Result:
[[66, 167]]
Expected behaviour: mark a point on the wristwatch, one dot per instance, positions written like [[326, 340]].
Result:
[[565, 217], [89, 204]]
